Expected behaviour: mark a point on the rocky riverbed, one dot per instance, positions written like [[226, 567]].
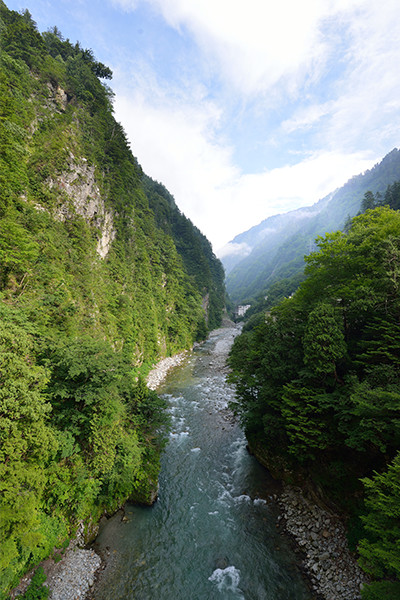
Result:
[[72, 578], [332, 569]]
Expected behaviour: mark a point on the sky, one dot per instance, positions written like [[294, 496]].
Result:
[[244, 109]]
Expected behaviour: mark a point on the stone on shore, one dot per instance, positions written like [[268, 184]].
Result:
[[332, 568], [162, 368], [75, 575]]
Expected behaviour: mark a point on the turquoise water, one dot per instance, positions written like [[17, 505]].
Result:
[[212, 534]]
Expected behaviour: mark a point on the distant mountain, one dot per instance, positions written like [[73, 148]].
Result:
[[269, 234], [275, 248]]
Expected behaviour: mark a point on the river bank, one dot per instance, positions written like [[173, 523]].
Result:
[[71, 573], [319, 533], [159, 372], [212, 533], [320, 536]]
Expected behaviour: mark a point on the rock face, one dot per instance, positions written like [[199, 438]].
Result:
[[57, 99], [79, 185], [333, 570]]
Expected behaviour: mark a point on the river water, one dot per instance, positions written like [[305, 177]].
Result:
[[212, 533]]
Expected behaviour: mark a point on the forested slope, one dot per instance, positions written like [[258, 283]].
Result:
[[276, 247], [194, 248], [96, 283], [318, 385]]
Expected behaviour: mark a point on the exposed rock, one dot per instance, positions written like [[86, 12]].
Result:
[[75, 575], [205, 305], [333, 570], [79, 184], [107, 235], [69, 574], [57, 99]]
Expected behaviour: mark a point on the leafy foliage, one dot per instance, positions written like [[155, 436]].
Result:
[[204, 269], [97, 281], [381, 590], [318, 379], [380, 552], [36, 590], [27, 443]]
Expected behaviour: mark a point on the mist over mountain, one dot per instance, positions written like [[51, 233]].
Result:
[[274, 249], [268, 234]]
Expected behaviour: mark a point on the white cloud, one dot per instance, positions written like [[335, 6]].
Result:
[[307, 117], [234, 249], [257, 46], [289, 187], [363, 109], [257, 43], [175, 145]]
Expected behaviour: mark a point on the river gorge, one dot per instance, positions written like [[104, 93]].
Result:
[[212, 533]]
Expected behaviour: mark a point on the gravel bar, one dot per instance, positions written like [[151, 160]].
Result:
[[162, 368]]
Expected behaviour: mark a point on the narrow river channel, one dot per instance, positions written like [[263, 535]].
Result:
[[212, 534]]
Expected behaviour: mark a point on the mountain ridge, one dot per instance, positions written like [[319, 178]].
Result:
[[280, 252]]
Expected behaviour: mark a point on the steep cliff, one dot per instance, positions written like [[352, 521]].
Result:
[[95, 285]]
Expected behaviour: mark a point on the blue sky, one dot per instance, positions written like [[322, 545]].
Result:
[[245, 109]]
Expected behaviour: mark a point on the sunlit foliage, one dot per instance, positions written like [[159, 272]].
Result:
[[79, 430]]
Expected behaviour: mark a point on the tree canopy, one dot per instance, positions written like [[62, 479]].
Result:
[[318, 380]]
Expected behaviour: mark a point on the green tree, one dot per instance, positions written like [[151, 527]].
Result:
[[392, 196], [18, 251], [27, 443], [380, 552], [369, 201], [308, 415], [321, 373], [324, 342]]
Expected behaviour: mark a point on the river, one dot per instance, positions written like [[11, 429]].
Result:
[[212, 534]]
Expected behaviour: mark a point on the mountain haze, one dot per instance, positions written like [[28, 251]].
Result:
[[274, 249]]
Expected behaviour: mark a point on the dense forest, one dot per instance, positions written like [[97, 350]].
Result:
[[100, 276], [318, 383], [274, 249]]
